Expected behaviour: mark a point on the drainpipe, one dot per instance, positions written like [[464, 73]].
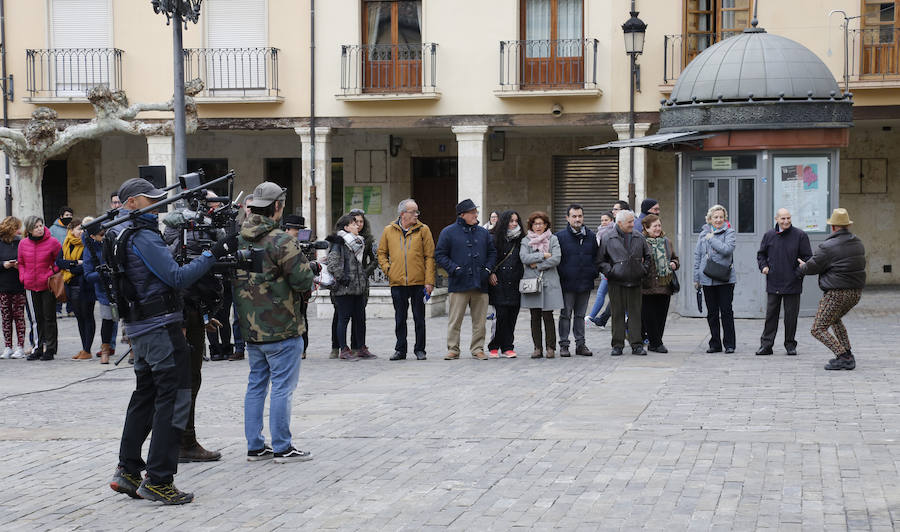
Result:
[[7, 183], [313, 224]]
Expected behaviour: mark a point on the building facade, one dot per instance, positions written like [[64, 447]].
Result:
[[435, 100]]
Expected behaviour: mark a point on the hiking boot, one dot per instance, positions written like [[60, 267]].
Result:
[[842, 362], [292, 455], [125, 482], [451, 356], [196, 453], [335, 353], [582, 350], [238, 355], [398, 356], [480, 355], [420, 355], [365, 354], [564, 351], [256, 455], [164, 493], [550, 353], [616, 352], [347, 354], [537, 353]]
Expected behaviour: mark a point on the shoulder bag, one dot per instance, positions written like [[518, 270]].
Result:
[[56, 285], [716, 271], [532, 285]]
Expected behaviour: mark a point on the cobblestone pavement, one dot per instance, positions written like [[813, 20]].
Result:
[[683, 441]]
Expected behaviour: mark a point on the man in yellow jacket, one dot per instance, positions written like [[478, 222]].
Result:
[[406, 256]]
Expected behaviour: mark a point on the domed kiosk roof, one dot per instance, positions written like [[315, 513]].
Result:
[[755, 80], [756, 63]]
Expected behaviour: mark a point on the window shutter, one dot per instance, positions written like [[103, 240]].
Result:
[[592, 182], [236, 63], [81, 24]]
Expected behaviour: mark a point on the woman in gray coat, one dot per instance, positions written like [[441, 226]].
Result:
[[540, 254], [716, 244]]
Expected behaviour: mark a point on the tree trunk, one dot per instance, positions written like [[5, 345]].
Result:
[[26, 190]]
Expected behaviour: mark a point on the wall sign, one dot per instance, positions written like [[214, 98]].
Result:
[[367, 198], [801, 185], [721, 163]]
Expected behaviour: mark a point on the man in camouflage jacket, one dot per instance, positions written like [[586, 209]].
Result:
[[269, 308]]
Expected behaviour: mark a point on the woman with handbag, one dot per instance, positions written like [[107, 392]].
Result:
[[714, 271], [657, 288], [81, 297], [540, 286], [504, 280], [345, 263], [37, 264]]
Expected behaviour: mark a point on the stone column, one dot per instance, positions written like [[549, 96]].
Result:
[[471, 165], [323, 177], [640, 164], [161, 152]]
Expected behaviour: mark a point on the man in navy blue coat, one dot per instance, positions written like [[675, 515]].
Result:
[[577, 272], [466, 252], [777, 260]]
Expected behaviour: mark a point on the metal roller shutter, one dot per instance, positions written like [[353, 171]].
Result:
[[592, 182]]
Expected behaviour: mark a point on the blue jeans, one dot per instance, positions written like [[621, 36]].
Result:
[[601, 296], [280, 363]]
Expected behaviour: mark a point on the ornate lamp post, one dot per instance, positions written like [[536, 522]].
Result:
[[182, 11], [634, 29]]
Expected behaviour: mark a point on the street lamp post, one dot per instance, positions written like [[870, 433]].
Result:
[[634, 30], [182, 11]]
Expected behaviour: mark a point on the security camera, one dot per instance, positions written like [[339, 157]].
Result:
[[556, 110]]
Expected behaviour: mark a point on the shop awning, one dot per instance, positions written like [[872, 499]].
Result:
[[658, 141]]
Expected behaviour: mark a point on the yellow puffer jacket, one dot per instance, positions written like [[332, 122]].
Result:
[[408, 259]]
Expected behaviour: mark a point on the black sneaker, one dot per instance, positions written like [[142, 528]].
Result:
[[125, 482], [398, 356], [638, 350], [764, 351], [35, 355], [841, 362], [265, 453], [48, 355], [420, 355], [164, 493], [616, 352], [292, 455]]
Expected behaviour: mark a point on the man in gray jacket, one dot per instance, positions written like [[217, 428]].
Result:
[[624, 258], [840, 263]]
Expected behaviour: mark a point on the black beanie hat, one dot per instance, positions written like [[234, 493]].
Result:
[[648, 204]]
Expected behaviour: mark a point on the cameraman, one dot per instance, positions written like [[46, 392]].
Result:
[[292, 226], [201, 298], [147, 279], [269, 308]]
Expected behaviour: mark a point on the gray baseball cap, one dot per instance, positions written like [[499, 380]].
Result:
[[265, 193], [137, 186]]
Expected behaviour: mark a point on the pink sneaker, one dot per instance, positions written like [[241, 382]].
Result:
[[510, 354], [494, 354]]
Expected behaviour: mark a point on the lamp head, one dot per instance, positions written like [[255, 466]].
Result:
[[634, 29]]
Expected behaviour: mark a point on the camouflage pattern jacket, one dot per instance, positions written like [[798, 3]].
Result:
[[269, 304]]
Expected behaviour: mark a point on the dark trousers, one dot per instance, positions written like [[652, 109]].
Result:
[[537, 316], [220, 339], [160, 403], [351, 308], [718, 310], [603, 318], [43, 305], [83, 305], [654, 309], [194, 332], [404, 297], [506, 316], [625, 300], [791, 304], [335, 343]]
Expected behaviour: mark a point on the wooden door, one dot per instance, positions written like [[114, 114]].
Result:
[[551, 53], [879, 53], [435, 191], [392, 37]]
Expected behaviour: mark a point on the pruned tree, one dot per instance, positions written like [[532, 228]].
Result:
[[42, 139]]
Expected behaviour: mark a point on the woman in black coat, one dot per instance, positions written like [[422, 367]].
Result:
[[504, 280]]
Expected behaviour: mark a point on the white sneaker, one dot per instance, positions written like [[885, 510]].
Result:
[[18, 353], [6, 352]]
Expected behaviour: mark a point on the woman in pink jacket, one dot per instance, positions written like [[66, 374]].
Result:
[[37, 262]]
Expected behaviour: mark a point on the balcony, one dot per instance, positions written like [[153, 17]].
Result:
[[538, 68], [64, 75], [386, 72], [679, 50], [234, 75], [874, 58]]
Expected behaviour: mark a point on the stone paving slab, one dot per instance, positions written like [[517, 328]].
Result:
[[682, 441]]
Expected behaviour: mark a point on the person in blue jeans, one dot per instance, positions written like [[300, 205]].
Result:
[[606, 220]]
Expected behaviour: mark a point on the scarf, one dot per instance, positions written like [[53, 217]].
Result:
[[512, 234], [579, 231], [660, 258], [540, 242], [354, 242], [73, 249]]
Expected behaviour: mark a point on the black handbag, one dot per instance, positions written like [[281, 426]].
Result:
[[716, 271], [674, 284]]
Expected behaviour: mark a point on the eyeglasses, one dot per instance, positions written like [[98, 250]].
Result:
[[413, 212]]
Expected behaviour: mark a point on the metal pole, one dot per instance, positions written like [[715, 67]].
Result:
[[180, 133], [846, 55], [313, 214], [631, 191], [7, 182]]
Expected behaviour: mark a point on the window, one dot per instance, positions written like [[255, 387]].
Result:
[[709, 21], [553, 40], [81, 36], [879, 38], [236, 60], [392, 33]]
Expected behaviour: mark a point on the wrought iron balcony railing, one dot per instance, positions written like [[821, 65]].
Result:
[[388, 68], [233, 72], [70, 72], [875, 53], [548, 64]]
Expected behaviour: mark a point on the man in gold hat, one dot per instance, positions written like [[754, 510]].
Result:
[[840, 263]]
